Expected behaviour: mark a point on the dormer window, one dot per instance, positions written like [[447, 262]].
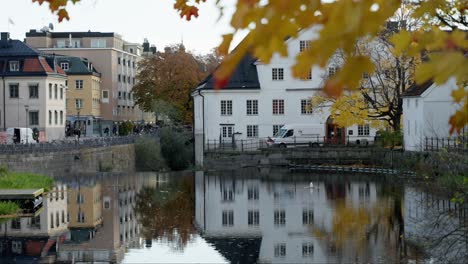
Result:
[[65, 66], [14, 66], [332, 71]]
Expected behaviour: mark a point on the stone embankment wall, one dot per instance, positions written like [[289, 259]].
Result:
[[116, 158], [438, 162]]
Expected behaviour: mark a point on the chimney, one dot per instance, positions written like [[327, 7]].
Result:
[[4, 39]]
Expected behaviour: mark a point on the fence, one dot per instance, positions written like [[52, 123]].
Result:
[[457, 144], [66, 145], [244, 145]]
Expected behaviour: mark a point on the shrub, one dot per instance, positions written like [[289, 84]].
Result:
[[390, 138], [176, 148], [126, 128], [19, 180], [148, 154], [8, 208]]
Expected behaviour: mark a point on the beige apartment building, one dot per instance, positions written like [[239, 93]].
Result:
[[83, 96], [116, 60], [85, 206]]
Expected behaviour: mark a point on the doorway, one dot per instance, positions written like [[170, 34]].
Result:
[[334, 133]]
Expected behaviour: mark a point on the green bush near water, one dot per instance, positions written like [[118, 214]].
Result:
[[176, 148], [148, 154]]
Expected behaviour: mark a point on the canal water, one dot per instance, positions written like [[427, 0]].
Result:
[[244, 216]]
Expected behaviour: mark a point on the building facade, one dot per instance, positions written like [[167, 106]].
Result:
[[259, 98], [427, 109], [115, 58], [33, 90], [83, 96]]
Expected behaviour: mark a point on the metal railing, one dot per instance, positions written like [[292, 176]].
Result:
[[67, 144], [454, 144], [241, 145]]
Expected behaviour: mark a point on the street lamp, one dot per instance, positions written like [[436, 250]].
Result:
[[78, 108], [26, 107]]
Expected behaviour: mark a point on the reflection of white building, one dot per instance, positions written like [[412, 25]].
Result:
[[281, 218], [35, 236]]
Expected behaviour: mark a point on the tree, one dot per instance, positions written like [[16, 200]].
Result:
[[342, 24], [169, 76]]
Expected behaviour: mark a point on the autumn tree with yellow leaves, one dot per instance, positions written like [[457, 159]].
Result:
[[343, 23]]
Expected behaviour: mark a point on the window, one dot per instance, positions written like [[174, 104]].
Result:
[[57, 219], [307, 250], [61, 117], [277, 74], [98, 43], [304, 44], [365, 75], [56, 117], [81, 217], [65, 66], [124, 62], [51, 220], [79, 103], [332, 71], [134, 65], [60, 44], [308, 77], [227, 195], [75, 44], [79, 84], [306, 107], [33, 118], [50, 117], [363, 130], [252, 193], [280, 217], [120, 95], [79, 198], [226, 131], [253, 218], [124, 78], [252, 107], [16, 223], [252, 131], [61, 93], [280, 250], [278, 107], [55, 91], [307, 217], [226, 107], [128, 79], [118, 60], [50, 91], [14, 90], [63, 217], [36, 222], [105, 94], [34, 91], [14, 66], [228, 218], [128, 63], [276, 128]]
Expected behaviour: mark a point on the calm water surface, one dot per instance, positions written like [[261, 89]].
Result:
[[246, 216]]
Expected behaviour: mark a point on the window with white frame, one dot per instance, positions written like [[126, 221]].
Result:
[[253, 218], [50, 91], [280, 217], [56, 117], [226, 107], [60, 44], [363, 130], [307, 250], [228, 218], [278, 106], [55, 91], [65, 66], [306, 107], [252, 107], [307, 216], [80, 217], [98, 43], [14, 66], [252, 131], [14, 90], [276, 128], [78, 103], [277, 74], [34, 91], [252, 193], [79, 84], [226, 131], [280, 250], [332, 71], [304, 45]]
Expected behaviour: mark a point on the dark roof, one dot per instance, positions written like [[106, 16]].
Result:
[[77, 65], [237, 249], [245, 76], [16, 48], [418, 89], [34, 33]]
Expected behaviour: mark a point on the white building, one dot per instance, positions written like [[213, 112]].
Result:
[[260, 98], [427, 109], [34, 88]]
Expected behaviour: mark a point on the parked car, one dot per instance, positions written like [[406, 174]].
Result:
[[20, 135], [298, 134]]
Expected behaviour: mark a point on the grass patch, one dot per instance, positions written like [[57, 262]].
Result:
[[20, 180], [8, 208]]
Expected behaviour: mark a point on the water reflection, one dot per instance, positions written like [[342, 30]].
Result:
[[246, 216]]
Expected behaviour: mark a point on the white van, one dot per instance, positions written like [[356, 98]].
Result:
[[20, 135], [298, 134]]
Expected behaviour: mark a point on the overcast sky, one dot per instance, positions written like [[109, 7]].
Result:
[[133, 19]]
